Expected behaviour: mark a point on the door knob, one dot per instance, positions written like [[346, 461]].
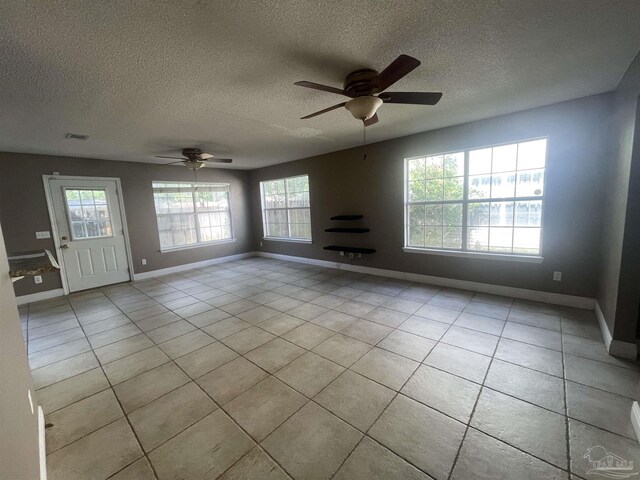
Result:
[[64, 237], [66, 245]]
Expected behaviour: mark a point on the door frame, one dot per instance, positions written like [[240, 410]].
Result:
[[54, 224]]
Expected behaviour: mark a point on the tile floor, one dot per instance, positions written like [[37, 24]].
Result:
[[262, 369]]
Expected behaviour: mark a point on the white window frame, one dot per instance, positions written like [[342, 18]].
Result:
[[287, 209], [198, 243], [463, 252]]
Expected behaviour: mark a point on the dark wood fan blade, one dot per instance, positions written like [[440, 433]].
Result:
[[220, 160], [395, 71], [173, 163], [324, 88], [176, 158], [324, 111], [415, 98], [373, 120]]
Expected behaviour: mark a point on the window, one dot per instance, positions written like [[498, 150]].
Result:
[[88, 211], [192, 214], [485, 200], [286, 211]]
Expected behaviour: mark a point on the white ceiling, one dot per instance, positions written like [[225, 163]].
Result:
[[145, 77]]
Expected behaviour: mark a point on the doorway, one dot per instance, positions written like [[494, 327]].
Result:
[[89, 231]]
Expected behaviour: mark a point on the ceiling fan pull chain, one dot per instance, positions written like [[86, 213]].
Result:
[[364, 139]]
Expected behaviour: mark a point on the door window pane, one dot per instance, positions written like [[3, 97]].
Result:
[[89, 214]]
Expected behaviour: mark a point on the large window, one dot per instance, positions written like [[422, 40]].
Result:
[[286, 212], [192, 214], [484, 200]]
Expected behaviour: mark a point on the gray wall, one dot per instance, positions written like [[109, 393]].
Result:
[[19, 456], [23, 208], [619, 290], [343, 183]]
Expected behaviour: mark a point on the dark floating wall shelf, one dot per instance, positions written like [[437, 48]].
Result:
[[347, 217], [347, 230], [338, 248]]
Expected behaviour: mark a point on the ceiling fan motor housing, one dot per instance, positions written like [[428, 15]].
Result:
[[360, 82]]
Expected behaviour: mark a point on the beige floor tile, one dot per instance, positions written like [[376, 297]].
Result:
[[308, 335], [309, 373], [342, 350], [600, 408], [281, 323], [426, 438], [60, 352], [97, 456], [355, 308], [424, 327], [407, 344], [297, 442], [81, 418], [204, 450], [538, 388], [230, 380], [167, 332], [385, 367], [207, 318], [205, 359], [589, 444], [480, 323], [134, 364], [258, 314], [530, 356], [355, 399], [157, 321], [68, 391], [275, 354], [368, 332], [466, 364], [187, 343], [472, 340], [263, 407], [49, 329], [478, 456], [370, 460], [115, 351], [107, 324], [386, 316], [255, 465], [333, 320], [438, 313], [451, 395], [138, 470], [226, 327], [610, 378], [56, 372], [140, 390], [55, 339], [158, 421], [523, 425], [307, 311], [111, 336], [248, 339]]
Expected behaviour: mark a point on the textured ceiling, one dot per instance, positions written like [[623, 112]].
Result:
[[145, 77]]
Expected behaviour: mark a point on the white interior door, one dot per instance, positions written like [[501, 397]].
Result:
[[90, 232]]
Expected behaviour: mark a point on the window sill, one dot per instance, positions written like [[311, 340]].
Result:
[[478, 255], [290, 240], [196, 245]]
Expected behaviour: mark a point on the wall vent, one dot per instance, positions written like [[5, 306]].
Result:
[[76, 136]]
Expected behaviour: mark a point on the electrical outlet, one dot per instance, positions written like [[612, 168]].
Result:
[[37, 279], [557, 276], [144, 261], [342, 254], [260, 243], [41, 235]]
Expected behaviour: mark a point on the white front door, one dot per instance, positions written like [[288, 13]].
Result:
[[90, 232]]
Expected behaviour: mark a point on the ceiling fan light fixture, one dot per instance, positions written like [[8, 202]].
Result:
[[363, 108], [194, 164]]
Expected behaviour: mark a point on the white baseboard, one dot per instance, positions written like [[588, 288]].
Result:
[[616, 348], [188, 266], [523, 293], [635, 419], [36, 297]]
